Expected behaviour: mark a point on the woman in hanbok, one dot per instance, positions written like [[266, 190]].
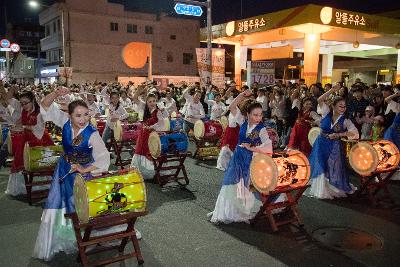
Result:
[[153, 120], [116, 112], [393, 132], [299, 134], [230, 136], [84, 153], [329, 177], [236, 203], [33, 132]]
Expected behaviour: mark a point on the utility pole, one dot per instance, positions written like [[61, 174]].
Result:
[[208, 5]]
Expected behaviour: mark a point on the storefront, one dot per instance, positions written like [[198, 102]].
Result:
[[49, 74], [323, 37]]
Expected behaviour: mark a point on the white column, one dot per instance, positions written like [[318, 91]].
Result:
[[311, 58], [398, 67], [238, 77], [327, 66]]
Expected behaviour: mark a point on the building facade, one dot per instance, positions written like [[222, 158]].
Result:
[[89, 37]]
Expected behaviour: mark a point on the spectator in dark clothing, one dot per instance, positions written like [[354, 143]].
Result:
[[358, 103]]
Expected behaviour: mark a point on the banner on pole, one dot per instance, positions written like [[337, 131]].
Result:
[[218, 67]]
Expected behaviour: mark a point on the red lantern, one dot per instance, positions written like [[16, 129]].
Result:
[[135, 54]]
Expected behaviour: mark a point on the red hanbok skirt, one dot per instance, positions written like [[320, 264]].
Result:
[[230, 137], [299, 137]]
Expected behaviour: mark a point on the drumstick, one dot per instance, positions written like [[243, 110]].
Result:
[[62, 178]]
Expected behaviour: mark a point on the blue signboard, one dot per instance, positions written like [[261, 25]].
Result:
[[189, 10], [5, 43]]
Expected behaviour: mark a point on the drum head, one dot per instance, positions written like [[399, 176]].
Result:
[[388, 155], [363, 158], [263, 173], [27, 157], [118, 131], [93, 122], [224, 122], [167, 125], [199, 129], [313, 134], [294, 169], [81, 199], [154, 144]]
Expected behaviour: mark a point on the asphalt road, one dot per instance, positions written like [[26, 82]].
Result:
[[177, 233]]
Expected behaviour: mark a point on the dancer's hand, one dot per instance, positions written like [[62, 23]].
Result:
[[77, 168], [246, 145], [333, 136]]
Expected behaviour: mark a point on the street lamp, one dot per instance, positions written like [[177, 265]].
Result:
[[36, 5], [33, 4]]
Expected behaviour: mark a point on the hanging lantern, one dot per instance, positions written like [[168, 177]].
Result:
[[287, 169], [135, 54], [368, 157]]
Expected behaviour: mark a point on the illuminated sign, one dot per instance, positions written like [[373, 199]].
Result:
[[341, 17], [14, 48], [5, 43], [189, 10], [251, 24], [350, 18], [48, 72]]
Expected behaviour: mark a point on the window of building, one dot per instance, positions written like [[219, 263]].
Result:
[[172, 37], [54, 27], [170, 57], [48, 56], [60, 55], [131, 28], [114, 26], [47, 30], [148, 29], [58, 25], [187, 58], [28, 34]]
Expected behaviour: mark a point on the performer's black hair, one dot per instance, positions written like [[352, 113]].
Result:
[[76, 103]]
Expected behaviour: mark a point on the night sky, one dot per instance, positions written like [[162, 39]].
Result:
[[223, 10]]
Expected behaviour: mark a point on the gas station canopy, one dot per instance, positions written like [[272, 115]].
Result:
[[313, 30]]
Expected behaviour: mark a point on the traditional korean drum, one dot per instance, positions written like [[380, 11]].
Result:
[[287, 169], [133, 117], [224, 122], [113, 193], [176, 124], [125, 131], [313, 134], [369, 157], [167, 143], [273, 135], [39, 158], [347, 145], [209, 130]]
